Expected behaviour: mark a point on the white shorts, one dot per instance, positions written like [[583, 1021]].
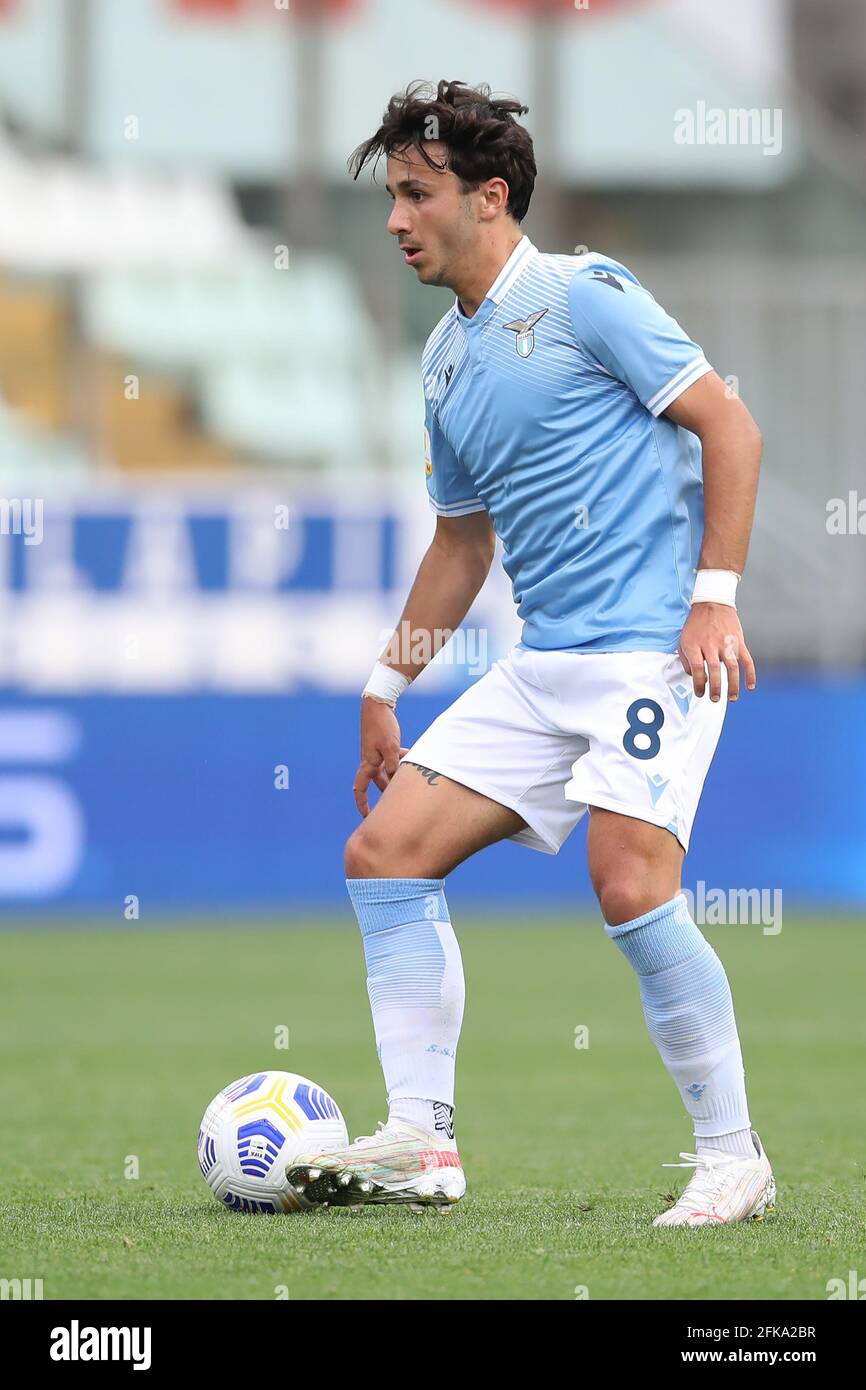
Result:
[[550, 733]]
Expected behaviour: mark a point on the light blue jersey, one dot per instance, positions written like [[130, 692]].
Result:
[[545, 409]]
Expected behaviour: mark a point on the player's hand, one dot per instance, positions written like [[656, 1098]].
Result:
[[380, 751], [712, 638]]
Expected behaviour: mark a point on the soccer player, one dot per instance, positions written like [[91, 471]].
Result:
[[568, 414]]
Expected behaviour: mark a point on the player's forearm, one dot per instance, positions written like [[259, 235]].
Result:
[[731, 464], [446, 585]]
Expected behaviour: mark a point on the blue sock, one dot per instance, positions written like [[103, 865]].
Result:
[[415, 985], [690, 1016]]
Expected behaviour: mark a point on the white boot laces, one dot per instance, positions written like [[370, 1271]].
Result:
[[385, 1133], [706, 1182]]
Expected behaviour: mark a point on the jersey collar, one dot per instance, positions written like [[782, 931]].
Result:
[[517, 262]]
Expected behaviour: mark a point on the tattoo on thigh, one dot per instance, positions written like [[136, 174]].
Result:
[[428, 773]]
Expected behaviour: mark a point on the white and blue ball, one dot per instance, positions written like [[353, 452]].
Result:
[[254, 1128]]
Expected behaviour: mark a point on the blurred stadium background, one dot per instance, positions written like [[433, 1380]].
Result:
[[210, 385]]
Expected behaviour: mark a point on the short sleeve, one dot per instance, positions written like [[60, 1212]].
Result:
[[632, 337], [449, 487]]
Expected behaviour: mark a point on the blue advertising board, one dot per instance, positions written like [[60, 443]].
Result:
[[224, 802], [179, 683]]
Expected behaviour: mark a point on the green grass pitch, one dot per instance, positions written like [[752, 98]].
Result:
[[114, 1039]]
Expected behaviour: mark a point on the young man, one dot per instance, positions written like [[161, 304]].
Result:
[[568, 414]]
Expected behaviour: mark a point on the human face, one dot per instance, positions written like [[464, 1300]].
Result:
[[432, 217]]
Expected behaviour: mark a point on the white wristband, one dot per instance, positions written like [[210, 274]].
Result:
[[385, 684], [716, 586]]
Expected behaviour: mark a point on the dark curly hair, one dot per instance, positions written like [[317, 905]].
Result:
[[484, 140]]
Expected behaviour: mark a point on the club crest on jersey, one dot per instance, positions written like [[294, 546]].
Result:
[[525, 330]]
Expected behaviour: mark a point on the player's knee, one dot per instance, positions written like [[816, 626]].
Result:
[[634, 868], [362, 857], [626, 897], [376, 852], [371, 853]]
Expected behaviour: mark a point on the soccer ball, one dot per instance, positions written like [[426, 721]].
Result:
[[254, 1128]]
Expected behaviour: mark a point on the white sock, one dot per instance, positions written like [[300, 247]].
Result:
[[740, 1142], [433, 1115]]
